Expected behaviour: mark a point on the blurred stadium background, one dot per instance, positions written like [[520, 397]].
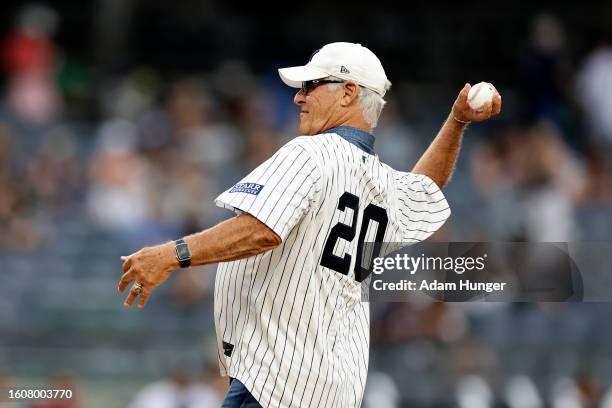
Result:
[[120, 121]]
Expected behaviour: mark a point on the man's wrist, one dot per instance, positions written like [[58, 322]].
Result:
[[458, 118], [170, 250], [463, 122]]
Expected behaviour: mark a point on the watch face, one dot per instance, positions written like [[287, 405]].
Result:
[[182, 252]]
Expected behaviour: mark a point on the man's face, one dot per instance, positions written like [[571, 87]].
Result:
[[318, 109]]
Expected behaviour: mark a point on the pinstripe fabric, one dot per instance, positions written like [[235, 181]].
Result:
[[299, 330]]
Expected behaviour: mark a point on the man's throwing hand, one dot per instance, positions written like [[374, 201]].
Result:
[[462, 112], [147, 268]]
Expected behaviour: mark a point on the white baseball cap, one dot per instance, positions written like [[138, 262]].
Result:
[[343, 60]]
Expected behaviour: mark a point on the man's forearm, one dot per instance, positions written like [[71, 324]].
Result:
[[236, 238], [438, 161]]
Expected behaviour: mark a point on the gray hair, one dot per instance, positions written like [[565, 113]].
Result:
[[371, 103]]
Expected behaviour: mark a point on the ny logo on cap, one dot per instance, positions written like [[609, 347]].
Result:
[[344, 70]]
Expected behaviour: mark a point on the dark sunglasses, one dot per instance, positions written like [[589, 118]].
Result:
[[307, 86]]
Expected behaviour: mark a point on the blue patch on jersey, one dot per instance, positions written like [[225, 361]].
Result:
[[249, 188]]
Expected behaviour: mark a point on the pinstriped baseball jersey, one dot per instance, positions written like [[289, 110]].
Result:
[[290, 322]]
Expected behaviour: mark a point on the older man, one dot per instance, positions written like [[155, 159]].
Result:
[[291, 329]]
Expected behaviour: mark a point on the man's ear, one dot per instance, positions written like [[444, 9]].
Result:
[[351, 92]]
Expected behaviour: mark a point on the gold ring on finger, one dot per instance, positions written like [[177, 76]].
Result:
[[138, 287]]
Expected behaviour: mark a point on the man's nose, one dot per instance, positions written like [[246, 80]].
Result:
[[299, 98]]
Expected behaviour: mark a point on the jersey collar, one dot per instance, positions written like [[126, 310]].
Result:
[[358, 137]]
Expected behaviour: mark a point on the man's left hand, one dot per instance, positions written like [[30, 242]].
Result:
[[147, 268]]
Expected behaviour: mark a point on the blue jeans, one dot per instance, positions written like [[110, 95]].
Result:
[[239, 397]]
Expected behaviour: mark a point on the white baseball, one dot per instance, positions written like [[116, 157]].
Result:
[[480, 94]]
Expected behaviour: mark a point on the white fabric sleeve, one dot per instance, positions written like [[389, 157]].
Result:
[[279, 192], [421, 206]]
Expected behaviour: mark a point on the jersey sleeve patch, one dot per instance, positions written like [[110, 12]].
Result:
[[248, 188]]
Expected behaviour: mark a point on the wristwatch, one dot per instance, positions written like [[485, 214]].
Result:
[[183, 254]]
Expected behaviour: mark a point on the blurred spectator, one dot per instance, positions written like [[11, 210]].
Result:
[[594, 89], [532, 181], [117, 197], [521, 392], [546, 75], [131, 95], [606, 401], [551, 180], [381, 391], [598, 189], [590, 393], [565, 394], [178, 391], [473, 392], [29, 59]]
